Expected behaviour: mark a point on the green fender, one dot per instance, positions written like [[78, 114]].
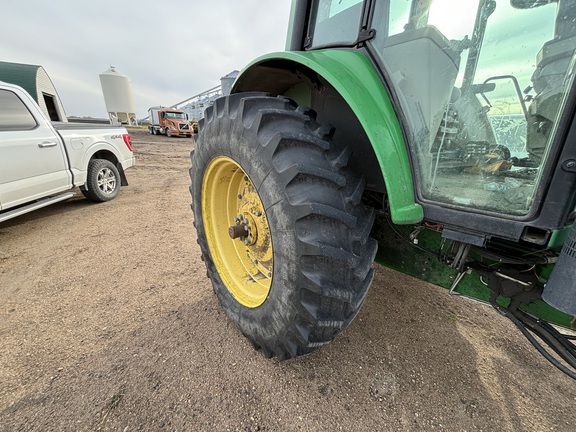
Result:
[[354, 77]]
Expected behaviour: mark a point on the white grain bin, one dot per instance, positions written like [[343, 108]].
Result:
[[118, 97]]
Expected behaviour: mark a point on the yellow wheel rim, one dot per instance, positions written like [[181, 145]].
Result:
[[237, 232]]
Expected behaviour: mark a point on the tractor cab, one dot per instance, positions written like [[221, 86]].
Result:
[[483, 90]]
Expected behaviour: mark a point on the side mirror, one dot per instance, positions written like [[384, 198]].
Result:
[[483, 88], [513, 96]]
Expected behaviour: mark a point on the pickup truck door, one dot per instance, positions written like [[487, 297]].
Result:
[[33, 162]]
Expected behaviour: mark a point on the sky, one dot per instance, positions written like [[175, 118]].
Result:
[[171, 50]]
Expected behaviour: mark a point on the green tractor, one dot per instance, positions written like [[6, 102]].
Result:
[[435, 136]]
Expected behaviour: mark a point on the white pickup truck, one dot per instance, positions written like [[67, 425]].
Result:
[[41, 162]]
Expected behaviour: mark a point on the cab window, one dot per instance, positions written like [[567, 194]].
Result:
[[481, 96], [14, 114], [335, 22]]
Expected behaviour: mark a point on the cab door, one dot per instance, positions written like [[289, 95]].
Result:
[[32, 159]]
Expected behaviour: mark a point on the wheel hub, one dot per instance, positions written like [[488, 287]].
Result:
[[253, 219], [239, 230], [106, 181], [245, 229]]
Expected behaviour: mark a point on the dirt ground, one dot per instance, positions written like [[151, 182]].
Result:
[[108, 323]]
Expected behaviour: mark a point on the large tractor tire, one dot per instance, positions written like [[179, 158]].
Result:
[[280, 223]]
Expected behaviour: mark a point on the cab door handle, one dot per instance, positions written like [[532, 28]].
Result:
[[47, 144]]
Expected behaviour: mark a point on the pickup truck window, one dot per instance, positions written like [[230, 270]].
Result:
[[13, 113]]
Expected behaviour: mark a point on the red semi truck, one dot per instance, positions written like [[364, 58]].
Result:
[[169, 122]]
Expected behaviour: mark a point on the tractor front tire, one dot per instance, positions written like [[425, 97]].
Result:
[[280, 223]]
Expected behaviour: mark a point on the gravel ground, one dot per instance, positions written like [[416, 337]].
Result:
[[108, 323]]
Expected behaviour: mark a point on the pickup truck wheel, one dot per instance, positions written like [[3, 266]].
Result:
[[280, 223], [103, 181]]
